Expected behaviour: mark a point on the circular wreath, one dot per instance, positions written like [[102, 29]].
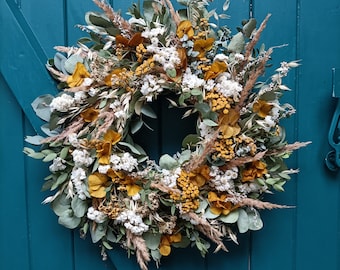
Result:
[[106, 184]]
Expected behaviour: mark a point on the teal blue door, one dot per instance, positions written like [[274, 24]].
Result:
[[304, 237]]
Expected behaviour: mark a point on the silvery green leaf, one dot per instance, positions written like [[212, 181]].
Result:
[[232, 217], [45, 128], [171, 72], [97, 232], [185, 156], [35, 140], [167, 162], [131, 147], [226, 5], [61, 204], [209, 123], [59, 62], [41, 106], [203, 205], [152, 240], [236, 43], [148, 111], [49, 157], [79, 206], [243, 221], [255, 221], [196, 92], [249, 27], [68, 220], [210, 215], [155, 254], [72, 61], [136, 125]]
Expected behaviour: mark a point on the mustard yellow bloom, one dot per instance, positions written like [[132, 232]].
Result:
[[216, 69], [97, 185], [78, 76], [90, 115], [229, 124], [131, 188], [165, 244], [219, 205], [108, 78], [134, 41], [262, 108], [254, 170], [185, 28], [104, 148], [203, 45]]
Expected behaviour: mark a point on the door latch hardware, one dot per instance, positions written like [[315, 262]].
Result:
[[332, 159]]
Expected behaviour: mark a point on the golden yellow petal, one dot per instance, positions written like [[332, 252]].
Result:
[[215, 210], [165, 250], [175, 238], [133, 189]]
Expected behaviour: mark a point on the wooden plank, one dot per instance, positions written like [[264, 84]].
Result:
[[277, 236], [14, 241], [318, 222], [24, 59]]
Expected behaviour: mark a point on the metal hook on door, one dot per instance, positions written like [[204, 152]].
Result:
[[332, 159]]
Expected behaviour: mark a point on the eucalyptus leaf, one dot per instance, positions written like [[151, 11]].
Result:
[[34, 140], [243, 221], [131, 147], [49, 157], [41, 106], [210, 215], [171, 72], [210, 123], [97, 232], [152, 240], [231, 218], [72, 61], [236, 44], [136, 126], [183, 243], [79, 206], [61, 204], [190, 139], [68, 220], [148, 111], [249, 27], [167, 162]]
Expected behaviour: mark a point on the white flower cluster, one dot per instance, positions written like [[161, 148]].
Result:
[[117, 107], [223, 181], [126, 162], [228, 87], [81, 158], [95, 215], [206, 132], [169, 178], [62, 103], [166, 56], [80, 96], [132, 222], [154, 32], [191, 81], [150, 87], [73, 139], [78, 176], [57, 165]]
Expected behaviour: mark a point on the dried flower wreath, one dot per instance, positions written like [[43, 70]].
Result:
[[104, 183]]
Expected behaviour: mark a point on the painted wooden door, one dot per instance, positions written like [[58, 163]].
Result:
[[305, 237]]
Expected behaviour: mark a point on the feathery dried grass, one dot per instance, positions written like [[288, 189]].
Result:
[[142, 253], [115, 18]]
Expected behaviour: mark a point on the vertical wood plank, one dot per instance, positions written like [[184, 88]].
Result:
[[14, 242], [276, 239], [318, 201]]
